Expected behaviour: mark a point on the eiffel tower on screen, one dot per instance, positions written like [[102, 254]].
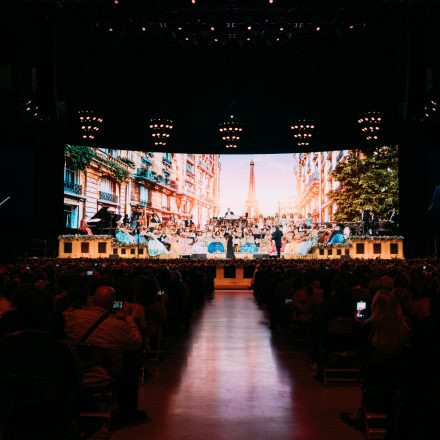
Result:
[[251, 201]]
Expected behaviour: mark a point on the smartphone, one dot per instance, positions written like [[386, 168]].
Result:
[[424, 267], [89, 273], [117, 305], [287, 301], [360, 309]]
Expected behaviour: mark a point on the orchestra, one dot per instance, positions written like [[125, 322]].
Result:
[[240, 233]]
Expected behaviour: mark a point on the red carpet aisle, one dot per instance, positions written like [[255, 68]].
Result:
[[229, 381]]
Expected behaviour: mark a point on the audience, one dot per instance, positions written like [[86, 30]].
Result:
[[50, 307]]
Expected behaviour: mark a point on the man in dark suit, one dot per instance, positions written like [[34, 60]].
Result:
[[276, 237], [365, 219]]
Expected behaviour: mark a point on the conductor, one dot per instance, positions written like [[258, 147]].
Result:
[[276, 237]]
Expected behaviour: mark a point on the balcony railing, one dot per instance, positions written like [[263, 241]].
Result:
[[72, 187], [145, 174], [145, 203], [108, 197]]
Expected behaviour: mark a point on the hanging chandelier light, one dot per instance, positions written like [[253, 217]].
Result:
[[303, 132], [230, 133], [370, 124], [160, 131], [429, 110], [90, 124]]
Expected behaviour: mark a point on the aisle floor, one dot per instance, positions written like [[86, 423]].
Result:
[[232, 380]]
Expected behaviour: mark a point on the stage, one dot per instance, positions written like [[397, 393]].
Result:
[[105, 246]]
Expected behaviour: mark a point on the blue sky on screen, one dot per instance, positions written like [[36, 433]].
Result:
[[274, 181]]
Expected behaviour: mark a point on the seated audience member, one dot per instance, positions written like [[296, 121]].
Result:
[[385, 344], [98, 325], [117, 331]]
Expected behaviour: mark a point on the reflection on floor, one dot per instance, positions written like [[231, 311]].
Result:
[[231, 380]]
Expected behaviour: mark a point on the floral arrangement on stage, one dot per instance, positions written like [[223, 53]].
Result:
[[117, 243], [85, 237], [376, 237], [334, 245]]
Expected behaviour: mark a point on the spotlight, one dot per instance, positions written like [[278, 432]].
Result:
[[370, 124], [160, 130], [90, 124], [302, 131]]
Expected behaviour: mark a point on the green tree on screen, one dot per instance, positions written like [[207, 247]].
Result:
[[367, 180]]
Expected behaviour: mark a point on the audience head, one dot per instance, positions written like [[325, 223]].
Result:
[[104, 297], [390, 331]]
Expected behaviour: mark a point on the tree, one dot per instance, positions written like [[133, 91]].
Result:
[[78, 157], [367, 180]]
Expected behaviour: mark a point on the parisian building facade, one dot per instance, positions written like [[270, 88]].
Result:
[[312, 182], [168, 186]]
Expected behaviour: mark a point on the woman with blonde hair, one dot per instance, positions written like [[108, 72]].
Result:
[[390, 331]]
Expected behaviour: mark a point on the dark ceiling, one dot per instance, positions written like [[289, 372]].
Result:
[[266, 63]]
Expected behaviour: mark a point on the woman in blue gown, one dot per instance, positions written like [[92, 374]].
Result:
[[337, 237], [123, 236]]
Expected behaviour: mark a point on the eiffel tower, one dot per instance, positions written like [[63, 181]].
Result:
[[251, 201]]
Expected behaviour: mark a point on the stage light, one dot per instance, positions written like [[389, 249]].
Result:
[[160, 130], [318, 28], [90, 124], [143, 28], [212, 28], [302, 131], [370, 124], [230, 132], [249, 28]]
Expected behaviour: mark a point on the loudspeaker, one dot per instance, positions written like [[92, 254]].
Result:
[[198, 255], [259, 256]]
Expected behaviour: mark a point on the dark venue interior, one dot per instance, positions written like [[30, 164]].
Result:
[[310, 309]]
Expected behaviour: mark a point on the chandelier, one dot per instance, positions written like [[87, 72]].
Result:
[[230, 133], [303, 132], [90, 124], [429, 109], [160, 131], [370, 124]]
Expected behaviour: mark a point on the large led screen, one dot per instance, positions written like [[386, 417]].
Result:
[[173, 193]]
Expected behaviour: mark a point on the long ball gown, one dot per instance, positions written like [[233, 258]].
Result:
[[155, 247]]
